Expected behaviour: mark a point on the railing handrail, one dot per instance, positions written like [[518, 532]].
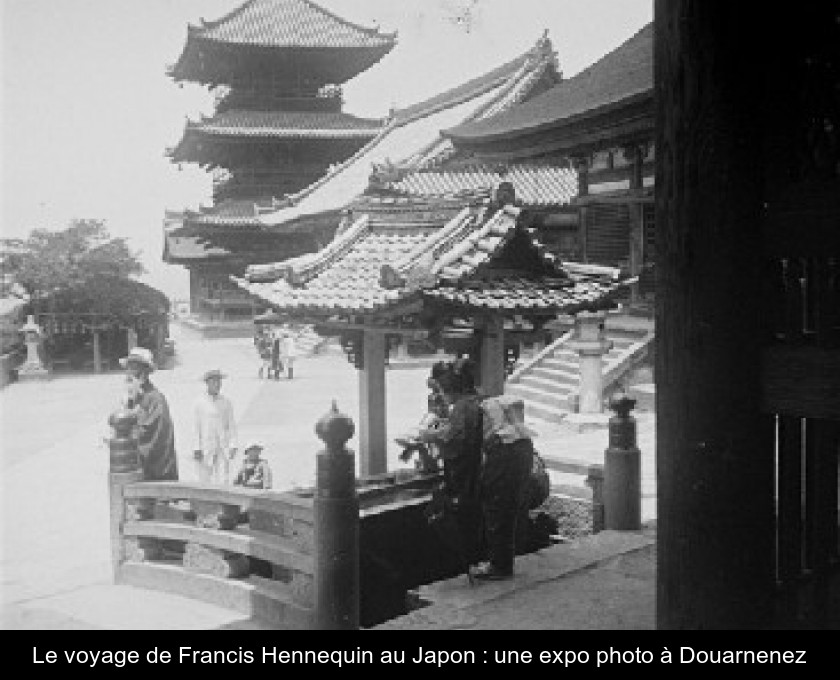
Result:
[[572, 466], [225, 495]]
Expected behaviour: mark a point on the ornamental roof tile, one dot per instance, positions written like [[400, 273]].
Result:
[[476, 259], [290, 23], [535, 185], [623, 75]]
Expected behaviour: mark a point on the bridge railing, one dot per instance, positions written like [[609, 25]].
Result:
[[276, 556]]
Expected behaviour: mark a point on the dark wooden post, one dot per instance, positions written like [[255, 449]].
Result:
[[715, 475], [373, 405], [622, 469], [124, 469], [634, 154], [336, 511], [581, 164]]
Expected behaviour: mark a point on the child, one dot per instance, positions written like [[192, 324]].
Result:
[[255, 472]]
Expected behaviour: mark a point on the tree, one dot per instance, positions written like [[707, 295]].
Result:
[[82, 256]]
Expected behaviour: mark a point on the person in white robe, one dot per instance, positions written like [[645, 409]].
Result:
[[215, 432]]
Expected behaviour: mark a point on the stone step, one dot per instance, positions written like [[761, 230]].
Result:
[[554, 398], [553, 383], [560, 373], [549, 414]]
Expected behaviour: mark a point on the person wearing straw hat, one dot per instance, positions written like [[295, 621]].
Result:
[[255, 472], [215, 432], [155, 431]]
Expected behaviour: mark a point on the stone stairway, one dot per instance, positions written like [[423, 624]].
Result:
[[549, 382]]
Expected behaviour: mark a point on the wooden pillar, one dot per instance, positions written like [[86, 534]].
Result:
[[373, 442], [581, 164], [492, 356], [634, 154], [97, 353], [715, 490]]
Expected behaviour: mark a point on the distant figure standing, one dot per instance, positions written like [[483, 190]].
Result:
[[215, 431], [276, 355], [154, 430], [289, 354], [264, 349], [255, 472]]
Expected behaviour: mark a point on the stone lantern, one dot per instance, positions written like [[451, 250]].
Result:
[[590, 344], [32, 368]]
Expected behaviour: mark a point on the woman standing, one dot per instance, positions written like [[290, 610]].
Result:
[[459, 439]]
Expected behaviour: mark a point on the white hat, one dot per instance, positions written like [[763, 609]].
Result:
[[253, 444], [139, 355]]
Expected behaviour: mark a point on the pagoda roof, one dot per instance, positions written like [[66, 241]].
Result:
[[228, 213], [278, 28], [412, 137], [272, 125], [620, 78], [535, 185], [478, 260]]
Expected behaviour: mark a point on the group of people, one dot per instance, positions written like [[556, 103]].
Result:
[[216, 435], [487, 455], [277, 352], [486, 451]]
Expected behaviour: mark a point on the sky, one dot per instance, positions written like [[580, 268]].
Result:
[[87, 110]]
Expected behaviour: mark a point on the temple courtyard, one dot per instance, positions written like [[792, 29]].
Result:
[[55, 565]]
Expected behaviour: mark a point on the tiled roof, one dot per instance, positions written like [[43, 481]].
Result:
[[343, 277], [413, 137], [262, 36], [622, 75], [466, 261], [230, 213], [290, 23], [288, 125], [535, 185], [511, 293]]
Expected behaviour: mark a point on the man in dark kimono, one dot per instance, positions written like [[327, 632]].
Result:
[[154, 431]]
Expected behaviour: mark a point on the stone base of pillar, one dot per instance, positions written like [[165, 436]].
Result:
[[28, 372]]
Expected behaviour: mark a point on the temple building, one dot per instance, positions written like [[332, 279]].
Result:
[[601, 122], [276, 68]]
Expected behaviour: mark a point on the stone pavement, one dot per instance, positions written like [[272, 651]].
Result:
[[55, 561]]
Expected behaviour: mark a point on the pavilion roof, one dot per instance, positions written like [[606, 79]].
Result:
[[412, 137], [238, 124], [622, 76], [535, 185], [477, 260], [277, 28]]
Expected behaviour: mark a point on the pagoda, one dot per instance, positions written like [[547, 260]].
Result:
[[276, 68]]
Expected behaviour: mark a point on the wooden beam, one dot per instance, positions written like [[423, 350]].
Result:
[[715, 449], [373, 439], [492, 356]]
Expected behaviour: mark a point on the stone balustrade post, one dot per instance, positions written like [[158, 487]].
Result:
[[124, 469], [336, 515], [622, 469]]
